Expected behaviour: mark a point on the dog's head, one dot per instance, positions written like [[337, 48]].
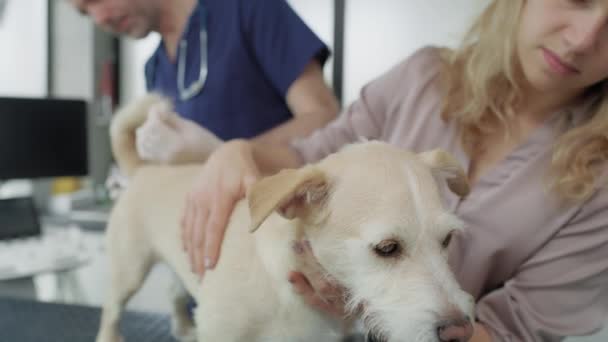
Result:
[[374, 216]]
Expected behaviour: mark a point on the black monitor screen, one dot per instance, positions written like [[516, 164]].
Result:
[[42, 138]]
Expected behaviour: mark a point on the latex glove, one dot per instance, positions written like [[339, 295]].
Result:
[[167, 138]]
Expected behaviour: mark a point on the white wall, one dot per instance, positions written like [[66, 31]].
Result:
[[133, 56], [319, 16], [380, 33], [73, 69], [23, 61]]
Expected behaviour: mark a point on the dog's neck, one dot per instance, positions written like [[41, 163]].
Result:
[[306, 260], [284, 247]]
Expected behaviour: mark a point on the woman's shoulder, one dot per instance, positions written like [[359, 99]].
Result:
[[416, 71], [425, 60], [419, 72], [430, 54]]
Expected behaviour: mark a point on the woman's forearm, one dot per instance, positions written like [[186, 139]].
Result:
[[271, 158]]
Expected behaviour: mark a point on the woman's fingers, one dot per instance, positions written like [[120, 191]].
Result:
[[198, 237], [302, 286], [300, 283], [187, 223], [216, 227], [319, 293], [221, 183], [184, 224]]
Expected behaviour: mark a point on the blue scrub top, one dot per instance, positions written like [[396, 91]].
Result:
[[256, 50]]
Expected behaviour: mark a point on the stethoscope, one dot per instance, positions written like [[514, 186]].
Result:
[[188, 92]]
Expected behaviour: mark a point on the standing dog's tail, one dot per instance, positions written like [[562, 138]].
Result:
[[122, 130]]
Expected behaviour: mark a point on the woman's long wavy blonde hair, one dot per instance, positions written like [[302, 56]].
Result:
[[481, 84]]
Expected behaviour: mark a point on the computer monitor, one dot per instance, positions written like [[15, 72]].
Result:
[[42, 138]]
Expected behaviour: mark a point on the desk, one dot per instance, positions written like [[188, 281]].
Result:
[[64, 306], [86, 285]]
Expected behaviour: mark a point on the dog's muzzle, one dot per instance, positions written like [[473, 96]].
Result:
[[452, 330]]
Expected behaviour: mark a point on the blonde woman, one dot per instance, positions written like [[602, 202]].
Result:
[[523, 105]]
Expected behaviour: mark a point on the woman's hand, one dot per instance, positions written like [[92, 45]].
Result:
[[223, 181], [315, 288], [326, 297]]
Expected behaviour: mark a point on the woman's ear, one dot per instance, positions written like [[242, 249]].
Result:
[[292, 193], [446, 167]]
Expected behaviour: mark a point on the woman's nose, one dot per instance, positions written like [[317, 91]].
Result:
[[585, 33]]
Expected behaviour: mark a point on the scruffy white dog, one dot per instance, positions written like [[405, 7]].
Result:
[[373, 216]]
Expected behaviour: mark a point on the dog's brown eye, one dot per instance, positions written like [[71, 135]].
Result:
[[388, 248], [446, 242]]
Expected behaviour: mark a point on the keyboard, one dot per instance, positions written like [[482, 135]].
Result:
[[56, 249]]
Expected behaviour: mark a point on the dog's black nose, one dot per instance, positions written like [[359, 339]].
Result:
[[455, 330]]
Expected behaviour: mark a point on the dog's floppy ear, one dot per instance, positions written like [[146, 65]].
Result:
[[290, 192], [445, 166]]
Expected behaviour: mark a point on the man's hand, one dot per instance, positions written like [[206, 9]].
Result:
[[223, 181], [167, 138]]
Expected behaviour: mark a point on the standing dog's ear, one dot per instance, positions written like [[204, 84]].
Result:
[[290, 192], [445, 166]]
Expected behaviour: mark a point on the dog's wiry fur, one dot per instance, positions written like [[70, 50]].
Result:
[[346, 206]]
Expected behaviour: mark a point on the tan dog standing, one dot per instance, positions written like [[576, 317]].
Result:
[[374, 218]]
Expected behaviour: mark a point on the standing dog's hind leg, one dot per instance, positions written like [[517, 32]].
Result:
[[182, 324], [129, 262]]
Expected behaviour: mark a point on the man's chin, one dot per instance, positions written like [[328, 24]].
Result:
[[130, 33], [137, 34]]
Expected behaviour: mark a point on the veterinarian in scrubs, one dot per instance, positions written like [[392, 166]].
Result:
[[238, 68], [522, 104]]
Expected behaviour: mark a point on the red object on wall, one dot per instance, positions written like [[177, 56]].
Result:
[[108, 83]]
